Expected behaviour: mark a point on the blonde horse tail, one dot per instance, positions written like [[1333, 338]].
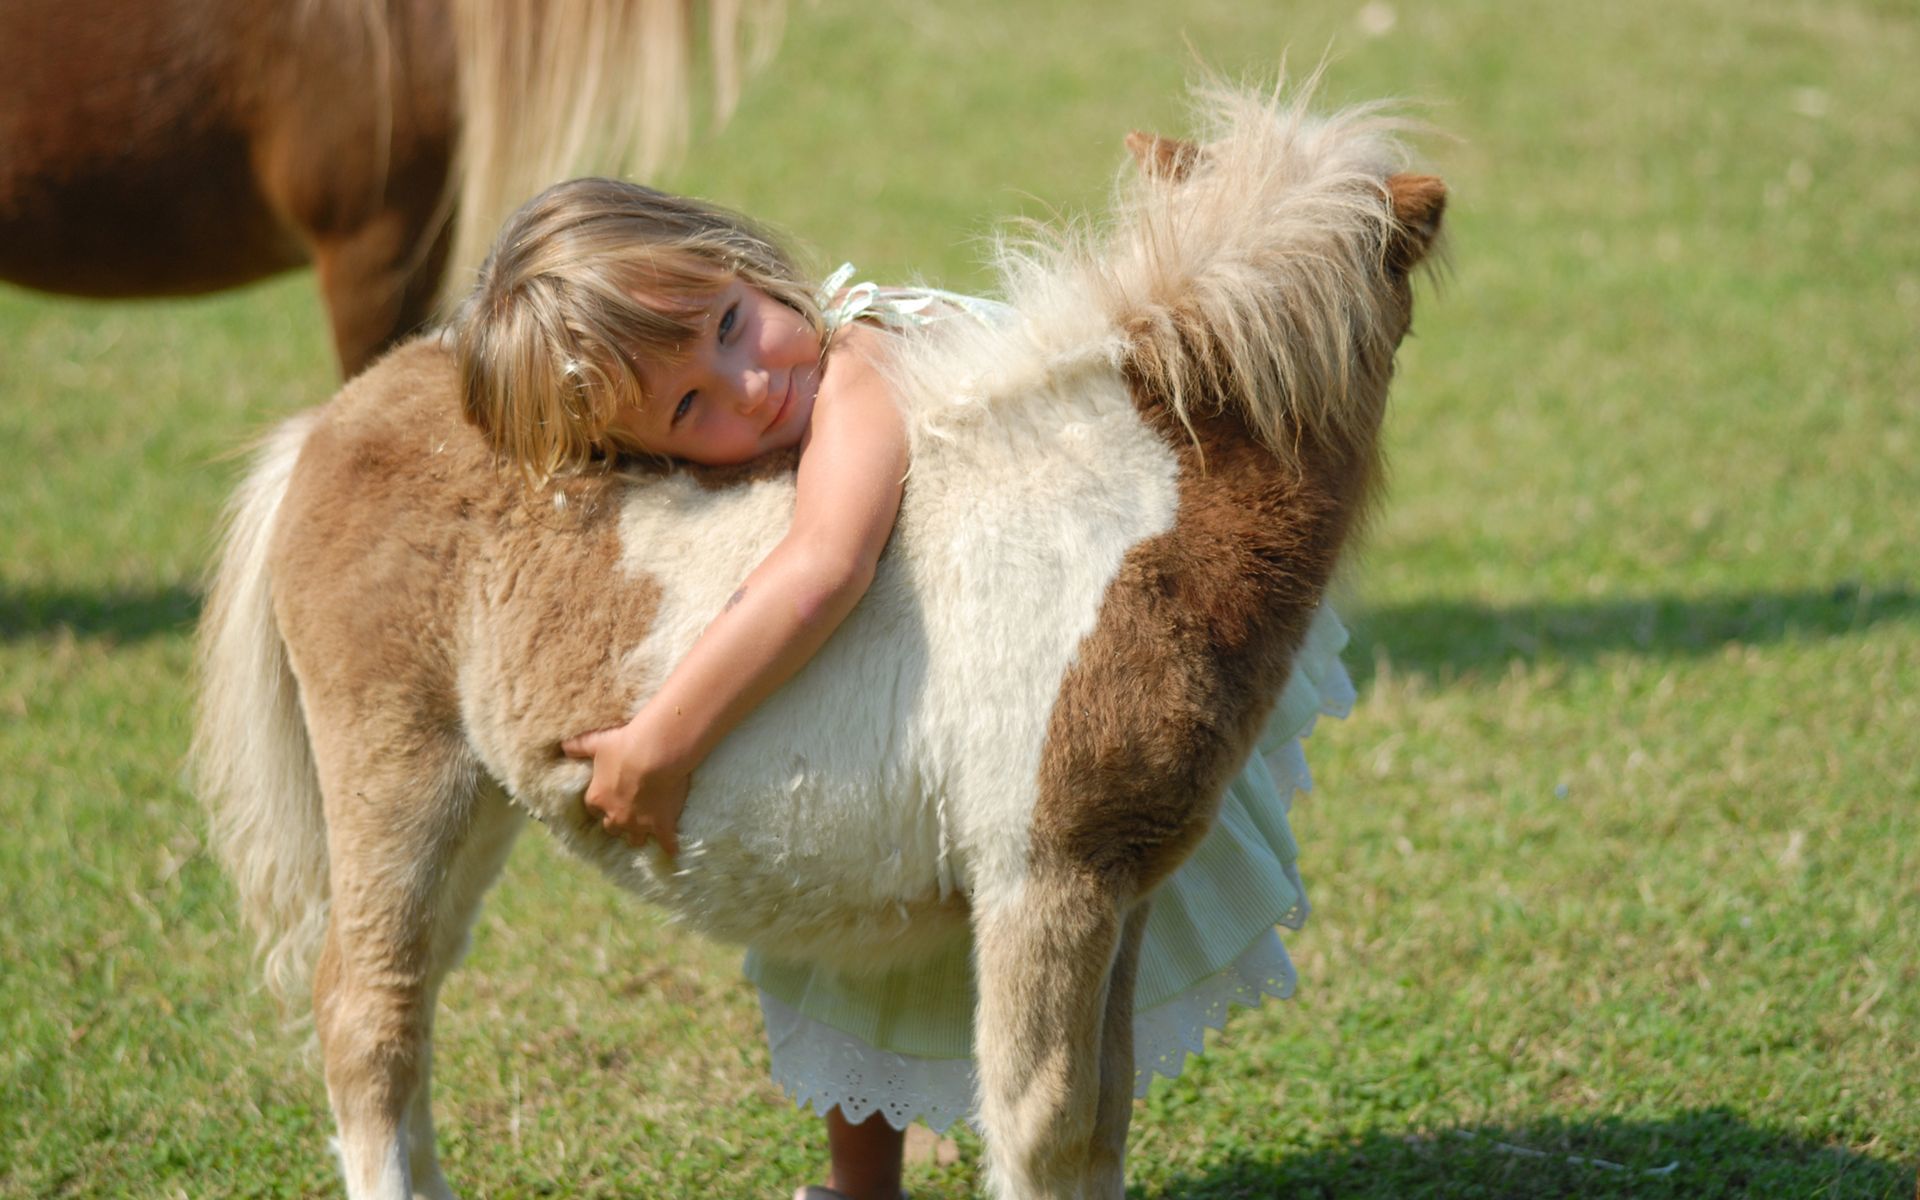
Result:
[[548, 91], [251, 760]]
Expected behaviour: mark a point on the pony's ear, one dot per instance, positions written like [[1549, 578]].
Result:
[[1161, 157], [1418, 202]]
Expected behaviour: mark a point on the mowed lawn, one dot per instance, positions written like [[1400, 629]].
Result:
[[1613, 867]]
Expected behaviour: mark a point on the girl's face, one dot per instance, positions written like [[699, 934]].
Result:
[[745, 388]]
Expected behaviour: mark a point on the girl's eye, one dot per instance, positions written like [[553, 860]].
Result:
[[684, 407], [727, 320]]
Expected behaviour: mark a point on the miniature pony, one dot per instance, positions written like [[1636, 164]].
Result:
[[1122, 513]]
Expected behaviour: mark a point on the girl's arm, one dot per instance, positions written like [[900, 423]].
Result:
[[852, 470]]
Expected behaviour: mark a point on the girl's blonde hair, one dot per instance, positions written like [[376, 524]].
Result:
[[586, 280]]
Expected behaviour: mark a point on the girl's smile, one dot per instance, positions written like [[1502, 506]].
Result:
[[746, 388]]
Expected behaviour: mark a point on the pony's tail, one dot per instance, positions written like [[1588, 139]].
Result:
[[251, 761], [548, 91]]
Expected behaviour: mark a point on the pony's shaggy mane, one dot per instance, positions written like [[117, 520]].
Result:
[[1252, 280]]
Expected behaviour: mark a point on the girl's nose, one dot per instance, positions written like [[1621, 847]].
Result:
[[753, 390]]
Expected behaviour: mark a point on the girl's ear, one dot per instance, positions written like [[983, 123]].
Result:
[[1162, 158]]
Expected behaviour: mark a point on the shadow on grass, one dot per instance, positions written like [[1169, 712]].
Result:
[[122, 615], [1442, 639], [1705, 1153], [1446, 639]]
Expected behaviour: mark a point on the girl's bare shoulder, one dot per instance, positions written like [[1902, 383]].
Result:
[[861, 341], [854, 369]]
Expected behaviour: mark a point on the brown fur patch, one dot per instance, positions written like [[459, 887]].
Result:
[[1419, 201], [1197, 633], [398, 532], [1195, 640]]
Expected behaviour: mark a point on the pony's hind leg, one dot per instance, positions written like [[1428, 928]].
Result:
[[1044, 954], [476, 864], [1108, 1172], [412, 842]]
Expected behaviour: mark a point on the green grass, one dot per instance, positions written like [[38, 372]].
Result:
[[1613, 861]]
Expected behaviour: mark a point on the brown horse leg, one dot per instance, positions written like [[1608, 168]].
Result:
[[1108, 1174], [1044, 955], [378, 283], [412, 843]]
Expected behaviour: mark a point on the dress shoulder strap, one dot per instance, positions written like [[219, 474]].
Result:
[[900, 307]]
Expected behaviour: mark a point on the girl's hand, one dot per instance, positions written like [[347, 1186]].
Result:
[[637, 793]]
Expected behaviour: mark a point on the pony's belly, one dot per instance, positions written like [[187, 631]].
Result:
[[808, 857], [819, 907]]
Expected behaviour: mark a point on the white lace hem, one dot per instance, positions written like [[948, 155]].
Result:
[[823, 1068]]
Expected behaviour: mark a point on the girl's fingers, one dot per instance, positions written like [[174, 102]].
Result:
[[583, 745], [632, 836]]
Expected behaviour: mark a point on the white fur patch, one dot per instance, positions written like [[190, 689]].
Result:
[[377, 1172]]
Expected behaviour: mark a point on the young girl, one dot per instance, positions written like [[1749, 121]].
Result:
[[615, 320], [612, 320]]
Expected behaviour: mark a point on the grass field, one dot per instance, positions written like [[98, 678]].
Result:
[[1614, 861]]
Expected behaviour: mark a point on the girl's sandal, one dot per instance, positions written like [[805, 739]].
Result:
[[820, 1191]]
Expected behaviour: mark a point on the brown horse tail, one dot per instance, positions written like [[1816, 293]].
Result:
[[251, 761], [549, 90]]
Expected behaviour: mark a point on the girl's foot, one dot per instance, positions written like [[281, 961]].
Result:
[[815, 1191]]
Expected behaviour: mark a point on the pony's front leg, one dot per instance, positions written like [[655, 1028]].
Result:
[[1044, 954]]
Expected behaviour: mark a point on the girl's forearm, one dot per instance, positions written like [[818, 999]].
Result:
[[777, 620], [847, 492]]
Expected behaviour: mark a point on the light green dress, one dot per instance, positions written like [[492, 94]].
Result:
[[900, 1043]]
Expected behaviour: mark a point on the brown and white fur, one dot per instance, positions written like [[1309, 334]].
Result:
[[1122, 513]]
